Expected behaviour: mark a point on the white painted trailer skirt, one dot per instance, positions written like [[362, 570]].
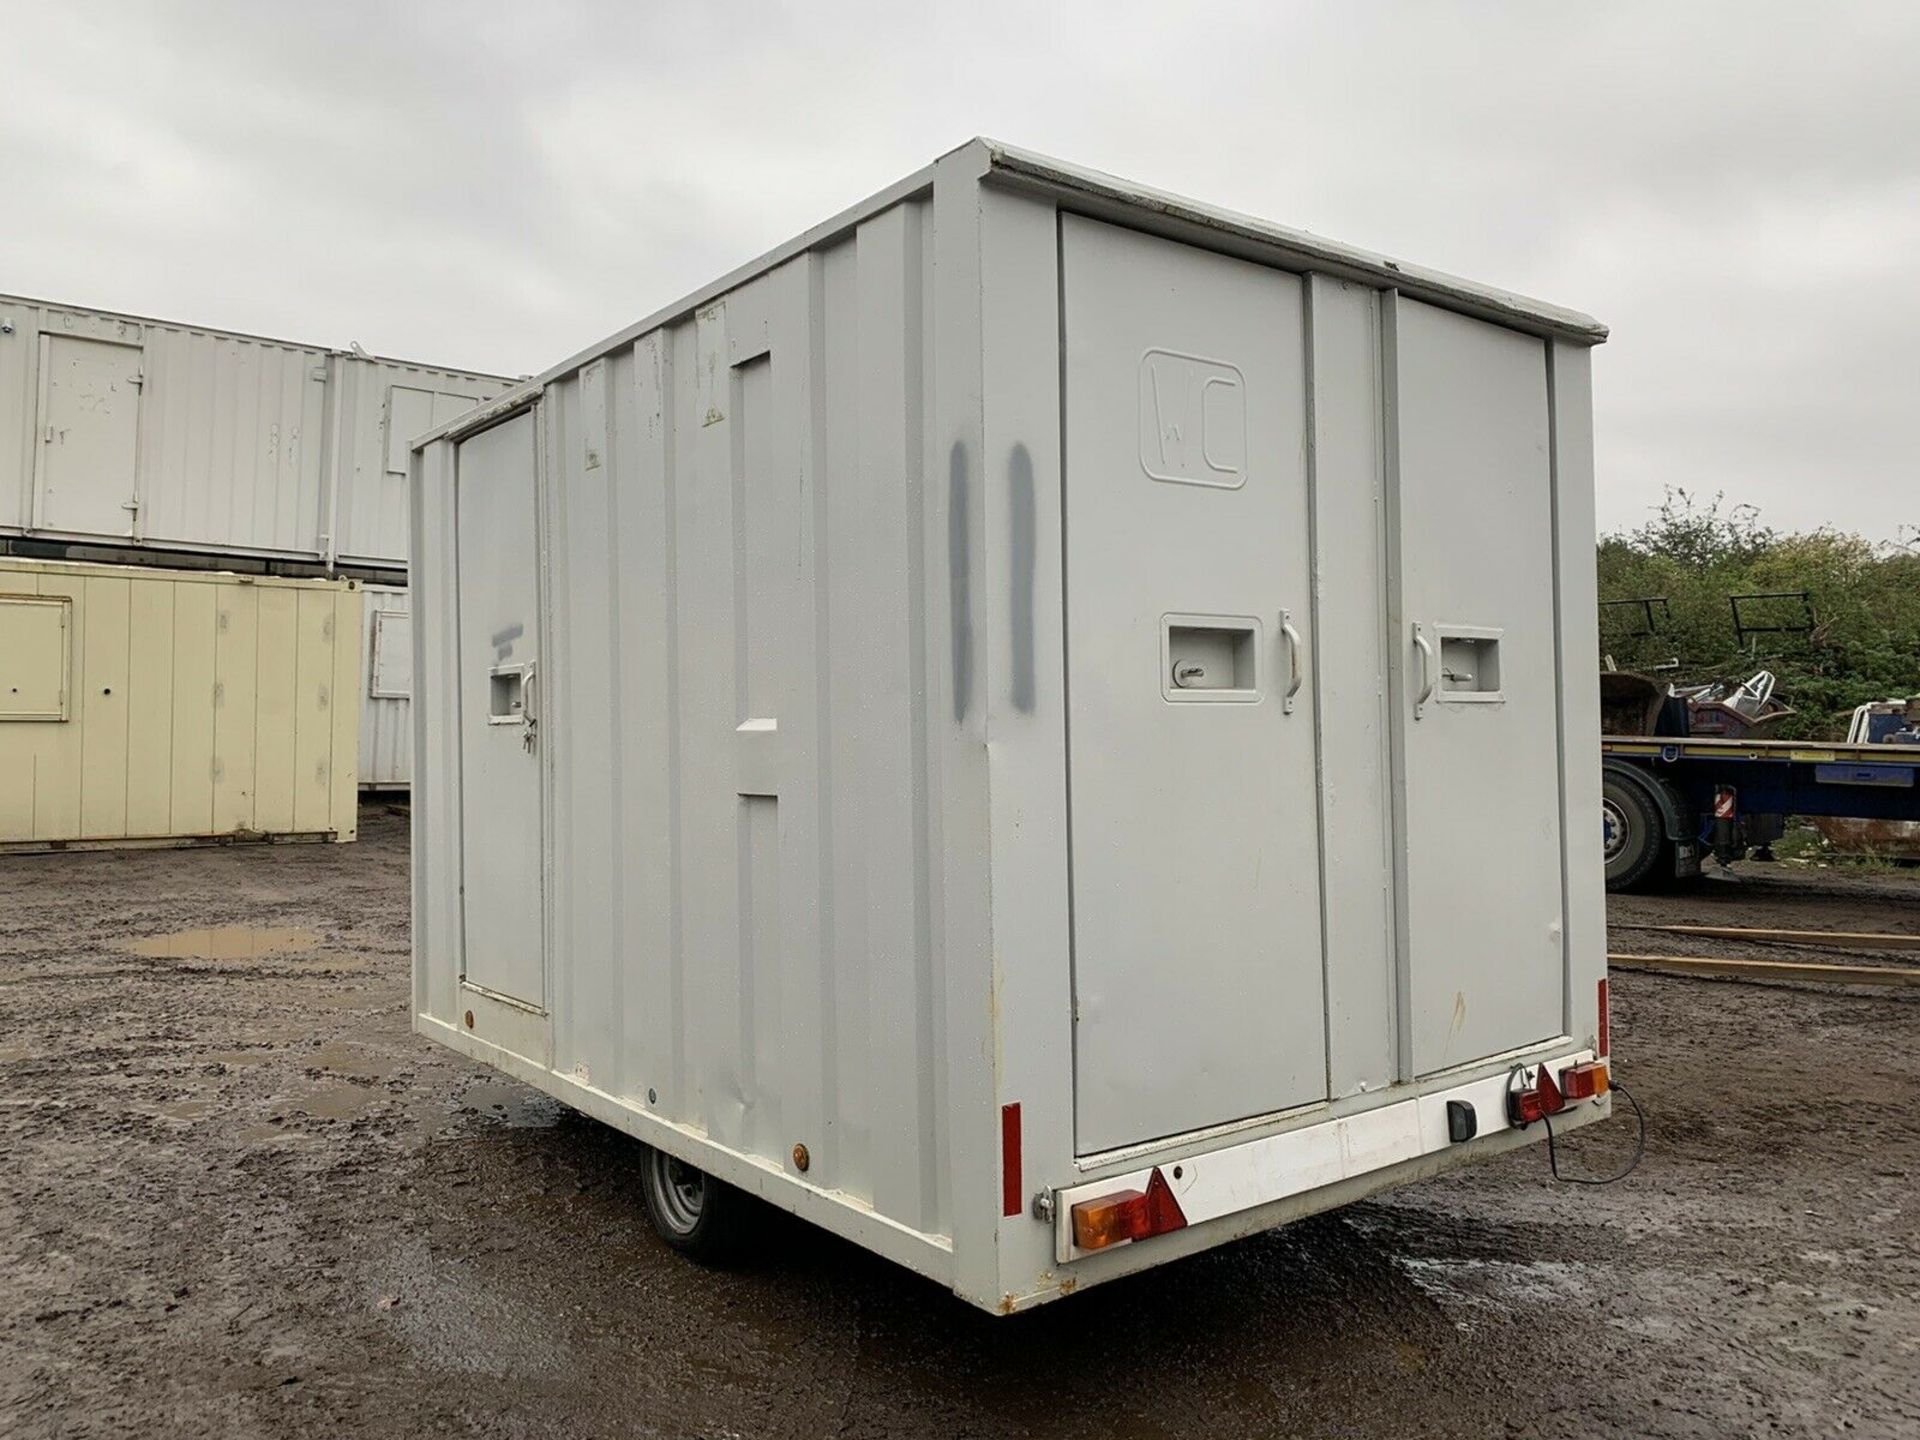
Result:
[[1034, 689]]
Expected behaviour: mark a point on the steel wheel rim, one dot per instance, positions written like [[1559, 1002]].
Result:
[[1613, 828], [679, 1192]]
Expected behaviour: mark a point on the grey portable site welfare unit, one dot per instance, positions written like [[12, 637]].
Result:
[[1041, 726]]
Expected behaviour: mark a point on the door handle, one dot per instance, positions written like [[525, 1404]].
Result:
[[1425, 647], [529, 708], [1294, 647]]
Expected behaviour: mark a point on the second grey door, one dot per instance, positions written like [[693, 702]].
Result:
[[1485, 905], [1198, 988]]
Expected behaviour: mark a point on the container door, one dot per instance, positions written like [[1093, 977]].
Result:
[[1198, 988], [89, 431], [498, 584], [1480, 722]]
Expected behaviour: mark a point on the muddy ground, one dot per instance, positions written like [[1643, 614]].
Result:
[[238, 1198]]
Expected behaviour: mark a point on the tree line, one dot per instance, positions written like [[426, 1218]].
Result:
[[1851, 637]]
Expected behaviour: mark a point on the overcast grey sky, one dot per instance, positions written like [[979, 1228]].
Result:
[[1735, 188]]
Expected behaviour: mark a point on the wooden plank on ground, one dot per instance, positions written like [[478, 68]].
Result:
[[1837, 939], [1770, 969]]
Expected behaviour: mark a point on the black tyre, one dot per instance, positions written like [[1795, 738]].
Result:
[[699, 1216], [1634, 837]]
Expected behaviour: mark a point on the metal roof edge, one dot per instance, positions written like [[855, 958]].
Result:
[[1025, 167], [212, 574], [994, 158], [222, 332], [828, 229]]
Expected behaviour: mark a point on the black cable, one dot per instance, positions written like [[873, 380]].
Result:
[[1633, 1161]]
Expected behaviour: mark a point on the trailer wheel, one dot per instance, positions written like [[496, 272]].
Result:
[[1633, 837], [697, 1215]]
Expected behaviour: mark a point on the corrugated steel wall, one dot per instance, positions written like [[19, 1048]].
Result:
[[386, 681], [244, 445], [380, 406], [737, 520], [198, 704], [231, 442]]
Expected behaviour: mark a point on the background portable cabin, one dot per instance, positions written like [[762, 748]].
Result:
[[131, 440], [386, 682], [754, 643], [147, 705]]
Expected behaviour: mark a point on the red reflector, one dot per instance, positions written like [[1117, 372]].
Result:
[[1010, 1182], [1584, 1082], [1528, 1103], [1162, 1211], [1606, 1021], [1725, 803], [1127, 1215]]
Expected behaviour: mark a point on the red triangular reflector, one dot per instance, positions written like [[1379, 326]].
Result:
[[1160, 1211], [1551, 1100]]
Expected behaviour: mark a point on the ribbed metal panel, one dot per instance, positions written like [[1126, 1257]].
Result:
[[243, 445], [198, 704], [380, 406], [231, 442], [737, 515]]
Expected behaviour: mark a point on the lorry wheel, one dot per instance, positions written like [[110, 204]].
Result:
[[1634, 839], [697, 1215]]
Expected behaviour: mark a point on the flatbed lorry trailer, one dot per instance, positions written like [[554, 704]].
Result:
[[1668, 802]]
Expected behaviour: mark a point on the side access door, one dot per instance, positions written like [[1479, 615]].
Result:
[[1484, 902], [496, 558], [86, 451], [1198, 985]]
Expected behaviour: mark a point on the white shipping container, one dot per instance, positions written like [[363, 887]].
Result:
[[1041, 726], [122, 431], [386, 682]]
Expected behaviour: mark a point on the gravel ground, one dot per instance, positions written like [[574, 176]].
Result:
[[239, 1198]]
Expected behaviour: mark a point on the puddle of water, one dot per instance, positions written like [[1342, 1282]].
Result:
[[233, 1059], [335, 1101], [515, 1106], [265, 1134], [222, 942], [186, 1110], [349, 1059]]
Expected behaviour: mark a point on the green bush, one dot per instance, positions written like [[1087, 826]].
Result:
[[1865, 641]]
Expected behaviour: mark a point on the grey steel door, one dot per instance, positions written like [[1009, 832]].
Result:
[[89, 412], [1198, 988], [495, 507], [1485, 910]]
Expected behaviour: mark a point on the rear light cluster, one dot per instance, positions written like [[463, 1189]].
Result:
[[1549, 1096], [1584, 1082], [1127, 1215]]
